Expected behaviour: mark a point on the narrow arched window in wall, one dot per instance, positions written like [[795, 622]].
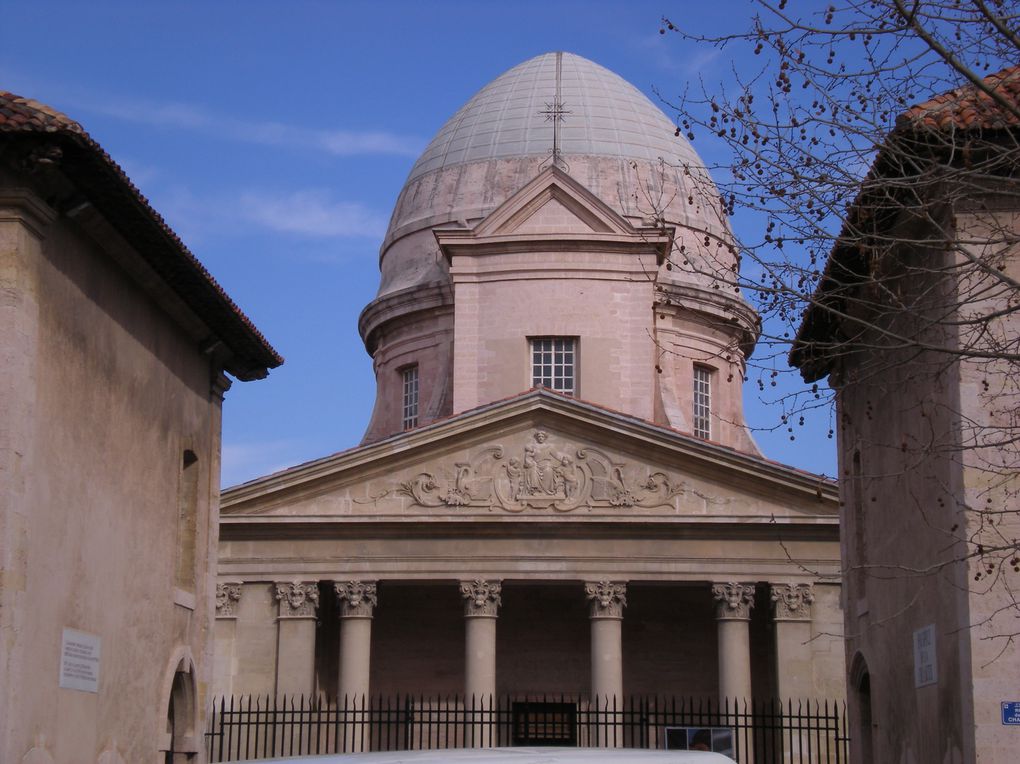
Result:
[[187, 521], [702, 402], [409, 417]]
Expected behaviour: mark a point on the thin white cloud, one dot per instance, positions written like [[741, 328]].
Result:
[[183, 116], [311, 213]]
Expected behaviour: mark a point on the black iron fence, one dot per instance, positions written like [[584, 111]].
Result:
[[765, 732]]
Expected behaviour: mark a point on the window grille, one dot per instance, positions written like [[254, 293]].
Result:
[[702, 402], [410, 408], [554, 364]]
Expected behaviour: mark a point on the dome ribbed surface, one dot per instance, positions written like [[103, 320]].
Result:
[[607, 117]]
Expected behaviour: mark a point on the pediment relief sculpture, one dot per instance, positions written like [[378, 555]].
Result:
[[543, 475]]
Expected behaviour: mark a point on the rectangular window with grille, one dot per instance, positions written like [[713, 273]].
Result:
[[410, 409], [702, 402], [554, 364]]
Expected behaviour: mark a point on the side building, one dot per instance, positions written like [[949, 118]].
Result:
[[915, 325], [115, 344], [557, 494]]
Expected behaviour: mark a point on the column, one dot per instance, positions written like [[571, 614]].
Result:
[[733, 603], [481, 608], [295, 637], [791, 613], [357, 601], [228, 598], [606, 601]]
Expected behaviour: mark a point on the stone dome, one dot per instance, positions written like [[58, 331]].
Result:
[[612, 139]]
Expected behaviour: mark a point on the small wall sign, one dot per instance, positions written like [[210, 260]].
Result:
[[1011, 712], [79, 661], [925, 668]]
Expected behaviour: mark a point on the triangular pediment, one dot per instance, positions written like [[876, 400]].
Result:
[[553, 203], [554, 210], [539, 457]]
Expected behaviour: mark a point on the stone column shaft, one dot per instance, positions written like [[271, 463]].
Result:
[[733, 614], [481, 608], [606, 600], [357, 603]]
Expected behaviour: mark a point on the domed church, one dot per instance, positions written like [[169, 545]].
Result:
[[557, 494]]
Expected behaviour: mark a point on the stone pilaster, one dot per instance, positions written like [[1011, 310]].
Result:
[[228, 597], [792, 617], [295, 637], [733, 603], [228, 601]]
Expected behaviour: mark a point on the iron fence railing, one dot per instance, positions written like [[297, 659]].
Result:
[[243, 728]]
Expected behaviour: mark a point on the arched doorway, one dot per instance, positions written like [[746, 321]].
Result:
[[181, 715], [862, 742]]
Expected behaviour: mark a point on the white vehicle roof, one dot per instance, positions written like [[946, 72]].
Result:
[[515, 756]]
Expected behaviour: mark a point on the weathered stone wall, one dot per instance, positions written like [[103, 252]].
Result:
[[101, 395]]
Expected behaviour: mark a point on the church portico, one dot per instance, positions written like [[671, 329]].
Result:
[[479, 639], [612, 532]]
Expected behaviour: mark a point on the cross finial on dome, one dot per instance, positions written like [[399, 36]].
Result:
[[555, 113]]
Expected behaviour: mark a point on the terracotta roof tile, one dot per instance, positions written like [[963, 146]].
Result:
[[964, 109], [112, 192], [969, 107]]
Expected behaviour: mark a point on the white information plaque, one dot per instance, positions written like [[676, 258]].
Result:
[[925, 668], [79, 661]]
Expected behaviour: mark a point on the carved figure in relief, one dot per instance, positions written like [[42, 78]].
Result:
[[541, 477]]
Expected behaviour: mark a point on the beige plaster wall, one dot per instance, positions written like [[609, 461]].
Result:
[[600, 299], [100, 398], [911, 500]]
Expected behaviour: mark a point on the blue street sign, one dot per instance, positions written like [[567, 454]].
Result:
[[1011, 712]]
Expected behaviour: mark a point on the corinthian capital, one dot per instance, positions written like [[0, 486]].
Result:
[[357, 598], [481, 598], [733, 600], [606, 599], [298, 599], [227, 597], [792, 602]]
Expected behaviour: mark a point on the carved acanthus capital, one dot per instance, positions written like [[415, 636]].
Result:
[[481, 598], [733, 600], [227, 597], [606, 599], [792, 602], [357, 598], [298, 599]]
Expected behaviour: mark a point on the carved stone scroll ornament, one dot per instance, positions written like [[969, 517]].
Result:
[[297, 599], [227, 597], [792, 601], [544, 475], [481, 598], [606, 599], [357, 598], [733, 600]]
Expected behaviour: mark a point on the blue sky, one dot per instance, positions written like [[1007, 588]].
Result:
[[274, 138]]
